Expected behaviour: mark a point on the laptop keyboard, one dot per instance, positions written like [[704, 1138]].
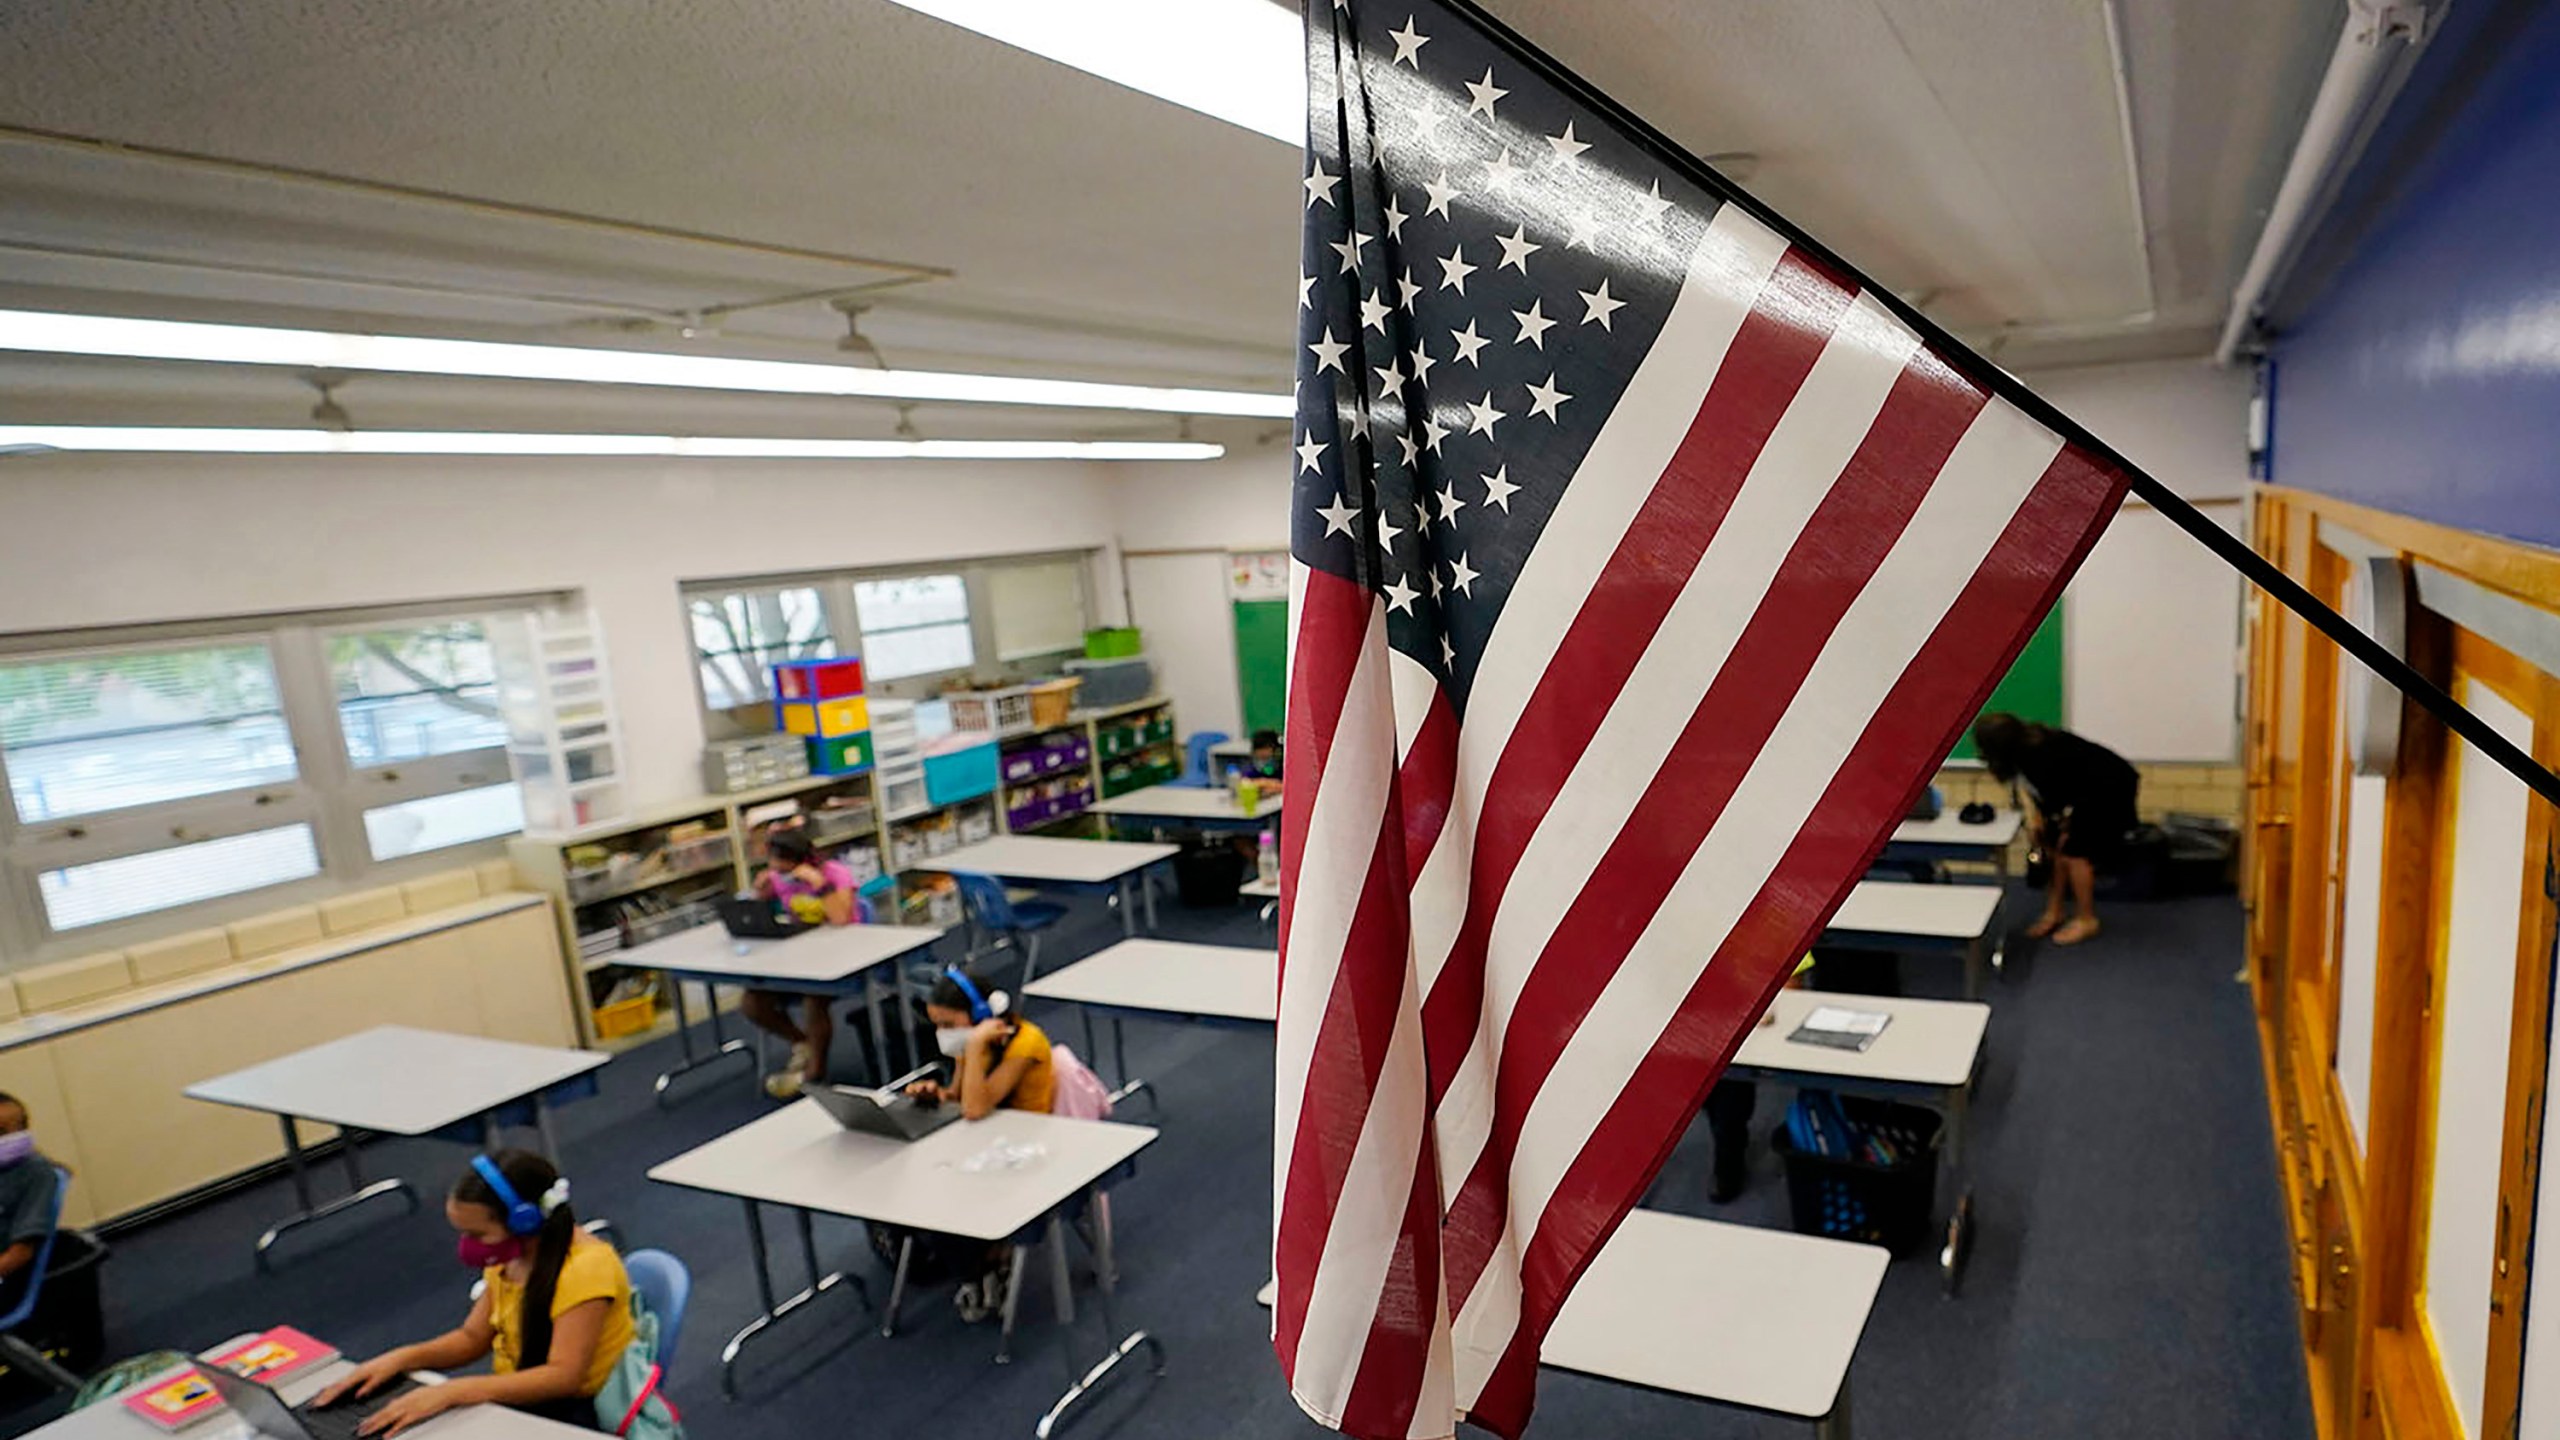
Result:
[[339, 1421]]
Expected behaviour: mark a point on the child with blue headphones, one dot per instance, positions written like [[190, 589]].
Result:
[[997, 1058], [553, 1314]]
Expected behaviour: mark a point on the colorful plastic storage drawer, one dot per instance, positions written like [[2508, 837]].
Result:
[[960, 774], [811, 719], [840, 754], [818, 679]]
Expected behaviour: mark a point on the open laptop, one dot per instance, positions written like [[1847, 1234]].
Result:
[[895, 1117], [752, 917], [268, 1415]]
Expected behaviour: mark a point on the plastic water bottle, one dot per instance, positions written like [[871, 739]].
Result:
[[1267, 862]]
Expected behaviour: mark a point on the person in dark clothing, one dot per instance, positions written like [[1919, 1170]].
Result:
[[2084, 796]]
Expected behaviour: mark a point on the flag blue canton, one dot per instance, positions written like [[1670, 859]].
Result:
[[1484, 265]]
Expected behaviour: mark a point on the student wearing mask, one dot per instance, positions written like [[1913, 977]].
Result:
[[28, 1185], [817, 892], [553, 1315], [2084, 796]]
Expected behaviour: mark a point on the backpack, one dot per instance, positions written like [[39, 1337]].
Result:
[[1079, 1094], [630, 1403]]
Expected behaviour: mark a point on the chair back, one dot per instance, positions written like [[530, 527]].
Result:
[[26, 1305], [667, 1287], [1195, 756], [986, 901]]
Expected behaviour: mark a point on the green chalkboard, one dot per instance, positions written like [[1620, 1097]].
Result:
[[1262, 662], [2032, 690]]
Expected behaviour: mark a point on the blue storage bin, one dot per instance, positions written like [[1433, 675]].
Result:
[[961, 774]]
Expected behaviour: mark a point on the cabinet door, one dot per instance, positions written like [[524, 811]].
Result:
[[516, 973]]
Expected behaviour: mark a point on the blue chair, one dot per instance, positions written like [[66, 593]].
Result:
[[16, 1350], [1195, 758], [667, 1288], [995, 914]]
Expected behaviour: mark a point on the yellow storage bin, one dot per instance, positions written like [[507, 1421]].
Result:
[[816, 719], [626, 1017]]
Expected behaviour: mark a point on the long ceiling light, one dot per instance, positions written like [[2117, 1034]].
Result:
[[176, 439], [58, 334], [1243, 61]]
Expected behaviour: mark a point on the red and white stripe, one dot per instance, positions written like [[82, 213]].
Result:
[[1791, 565]]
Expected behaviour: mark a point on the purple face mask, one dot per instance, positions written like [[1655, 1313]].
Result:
[[16, 1146], [479, 1254]]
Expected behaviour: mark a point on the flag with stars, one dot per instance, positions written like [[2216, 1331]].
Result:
[[1646, 564]]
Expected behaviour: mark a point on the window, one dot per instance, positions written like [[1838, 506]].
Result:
[[153, 775], [1037, 609], [914, 625], [739, 636], [87, 734], [414, 691]]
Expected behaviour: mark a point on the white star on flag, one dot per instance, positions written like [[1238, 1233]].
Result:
[[1408, 291], [1308, 450], [1534, 325], [1517, 247], [1462, 579], [1598, 306], [1433, 432], [1349, 250], [1498, 488], [1469, 342], [1543, 399], [1439, 193], [1401, 596], [1320, 186], [1450, 505], [1483, 92], [1499, 175], [1338, 516], [1387, 534], [1306, 291], [1567, 148], [1455, 270], [1582, 231], [1395, 219], [1482, 417], [1373, 313], [1409, 43], [1653, 204], [1328, 352]]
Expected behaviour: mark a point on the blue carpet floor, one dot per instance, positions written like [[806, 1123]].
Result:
[[2128, 1280]]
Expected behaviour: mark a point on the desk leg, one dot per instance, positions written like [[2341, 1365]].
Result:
[[1128, 909], [1835, 1426], [774, 1311], [542, 1127], [1128, 1345], [722, 1047], [871, 1001], [1129, 1084], [1973, 968], [358, 1192], [1012, 1301], [1147, 888], [1958, 1244]]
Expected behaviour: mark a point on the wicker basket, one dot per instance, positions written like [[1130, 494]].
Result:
[[1052, 701]]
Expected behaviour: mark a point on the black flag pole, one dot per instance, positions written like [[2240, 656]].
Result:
[[2230, 548]]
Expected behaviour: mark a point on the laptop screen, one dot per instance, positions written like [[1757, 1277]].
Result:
[[263, 1408]]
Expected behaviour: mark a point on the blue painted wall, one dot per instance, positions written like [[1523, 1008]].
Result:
[[2422, 375]]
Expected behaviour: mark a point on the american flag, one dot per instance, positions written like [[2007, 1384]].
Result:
[[1645, 566]]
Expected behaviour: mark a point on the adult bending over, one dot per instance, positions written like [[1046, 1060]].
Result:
[[2084, 800]]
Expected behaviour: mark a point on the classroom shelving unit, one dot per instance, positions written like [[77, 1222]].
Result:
[[622, 882], [557, 701]]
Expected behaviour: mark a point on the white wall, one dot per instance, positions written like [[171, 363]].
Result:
[[1196, 513], [2151, 624], [107, 540]]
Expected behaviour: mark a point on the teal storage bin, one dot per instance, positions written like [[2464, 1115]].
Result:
[[961, 774]]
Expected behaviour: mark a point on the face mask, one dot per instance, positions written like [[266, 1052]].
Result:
[[479, 1254], [16, 1146], [952, 1043]]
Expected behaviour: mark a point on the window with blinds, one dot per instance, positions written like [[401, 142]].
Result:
[[739, 635], [76, 896], [408, 692], [87, 734], [1037, 609], [914, 625]]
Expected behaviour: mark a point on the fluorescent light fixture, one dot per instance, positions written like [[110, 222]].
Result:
[[57, 334], [1243, 61], [190, 440]]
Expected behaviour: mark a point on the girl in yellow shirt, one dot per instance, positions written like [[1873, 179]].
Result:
[[553, 1316]]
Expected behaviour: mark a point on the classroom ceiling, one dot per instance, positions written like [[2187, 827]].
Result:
[[1013, 215]]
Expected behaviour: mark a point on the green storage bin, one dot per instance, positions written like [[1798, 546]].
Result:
[[840, 754], [1112, 643]]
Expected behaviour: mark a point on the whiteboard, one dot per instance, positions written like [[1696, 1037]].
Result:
[[2541, 1412], [2359, 947], [1179, 602], [2484, 909], [2152, 626]]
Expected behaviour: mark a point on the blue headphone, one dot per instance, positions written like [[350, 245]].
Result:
[[979, 1008], [523, 1217]]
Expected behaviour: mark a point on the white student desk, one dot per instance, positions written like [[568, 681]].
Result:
[[1266, 891], [1188, 805], [1949, 838], [837, 960], [391, 1080], [1899, 916], [1930, 1051], [107, 1419], [1053, 860], [800, 1159], [1762, 1320], [1164, 977]]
